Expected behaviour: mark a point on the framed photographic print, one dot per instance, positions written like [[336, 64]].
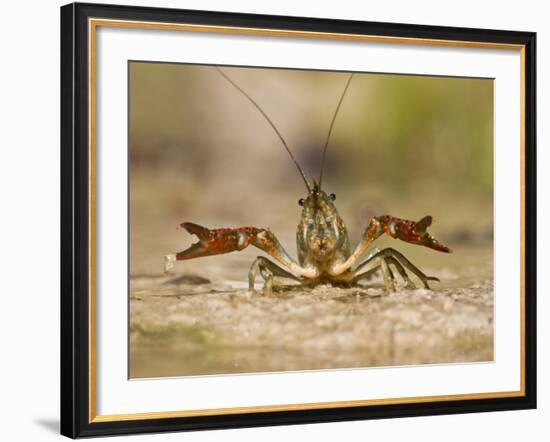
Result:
[[278, 220]]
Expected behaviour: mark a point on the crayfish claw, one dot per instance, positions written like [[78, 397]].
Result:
[[421, 226], [202, 232], [412, 232], [429, 241]]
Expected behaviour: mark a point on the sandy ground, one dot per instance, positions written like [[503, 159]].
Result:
[[207, 322]]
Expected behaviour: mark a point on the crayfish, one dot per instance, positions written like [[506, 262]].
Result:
[[324, 252]]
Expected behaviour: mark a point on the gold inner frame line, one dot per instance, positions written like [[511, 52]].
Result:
[[93, 24]]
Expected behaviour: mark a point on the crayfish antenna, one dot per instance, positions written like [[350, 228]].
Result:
[[257, 106], [330, 129]]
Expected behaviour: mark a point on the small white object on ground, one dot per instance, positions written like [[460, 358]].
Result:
[[169, 263]]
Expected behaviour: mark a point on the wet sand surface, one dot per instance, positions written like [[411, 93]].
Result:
[[203, 320]]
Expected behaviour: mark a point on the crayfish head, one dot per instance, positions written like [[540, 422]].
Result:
[[321, 234]]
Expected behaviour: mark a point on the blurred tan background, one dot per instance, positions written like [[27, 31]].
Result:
[[402, 145]]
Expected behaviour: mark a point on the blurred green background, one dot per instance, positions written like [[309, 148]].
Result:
[[402, 144]]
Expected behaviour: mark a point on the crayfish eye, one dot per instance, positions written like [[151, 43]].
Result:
[[332, 196], [301, 201]]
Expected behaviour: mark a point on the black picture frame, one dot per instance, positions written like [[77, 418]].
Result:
[[75, 219]]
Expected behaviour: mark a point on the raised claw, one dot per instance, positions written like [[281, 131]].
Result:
[[216, 241], [412, 232]]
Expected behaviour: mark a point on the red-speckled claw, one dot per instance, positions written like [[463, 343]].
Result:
[[216, 241], [412, 232]]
